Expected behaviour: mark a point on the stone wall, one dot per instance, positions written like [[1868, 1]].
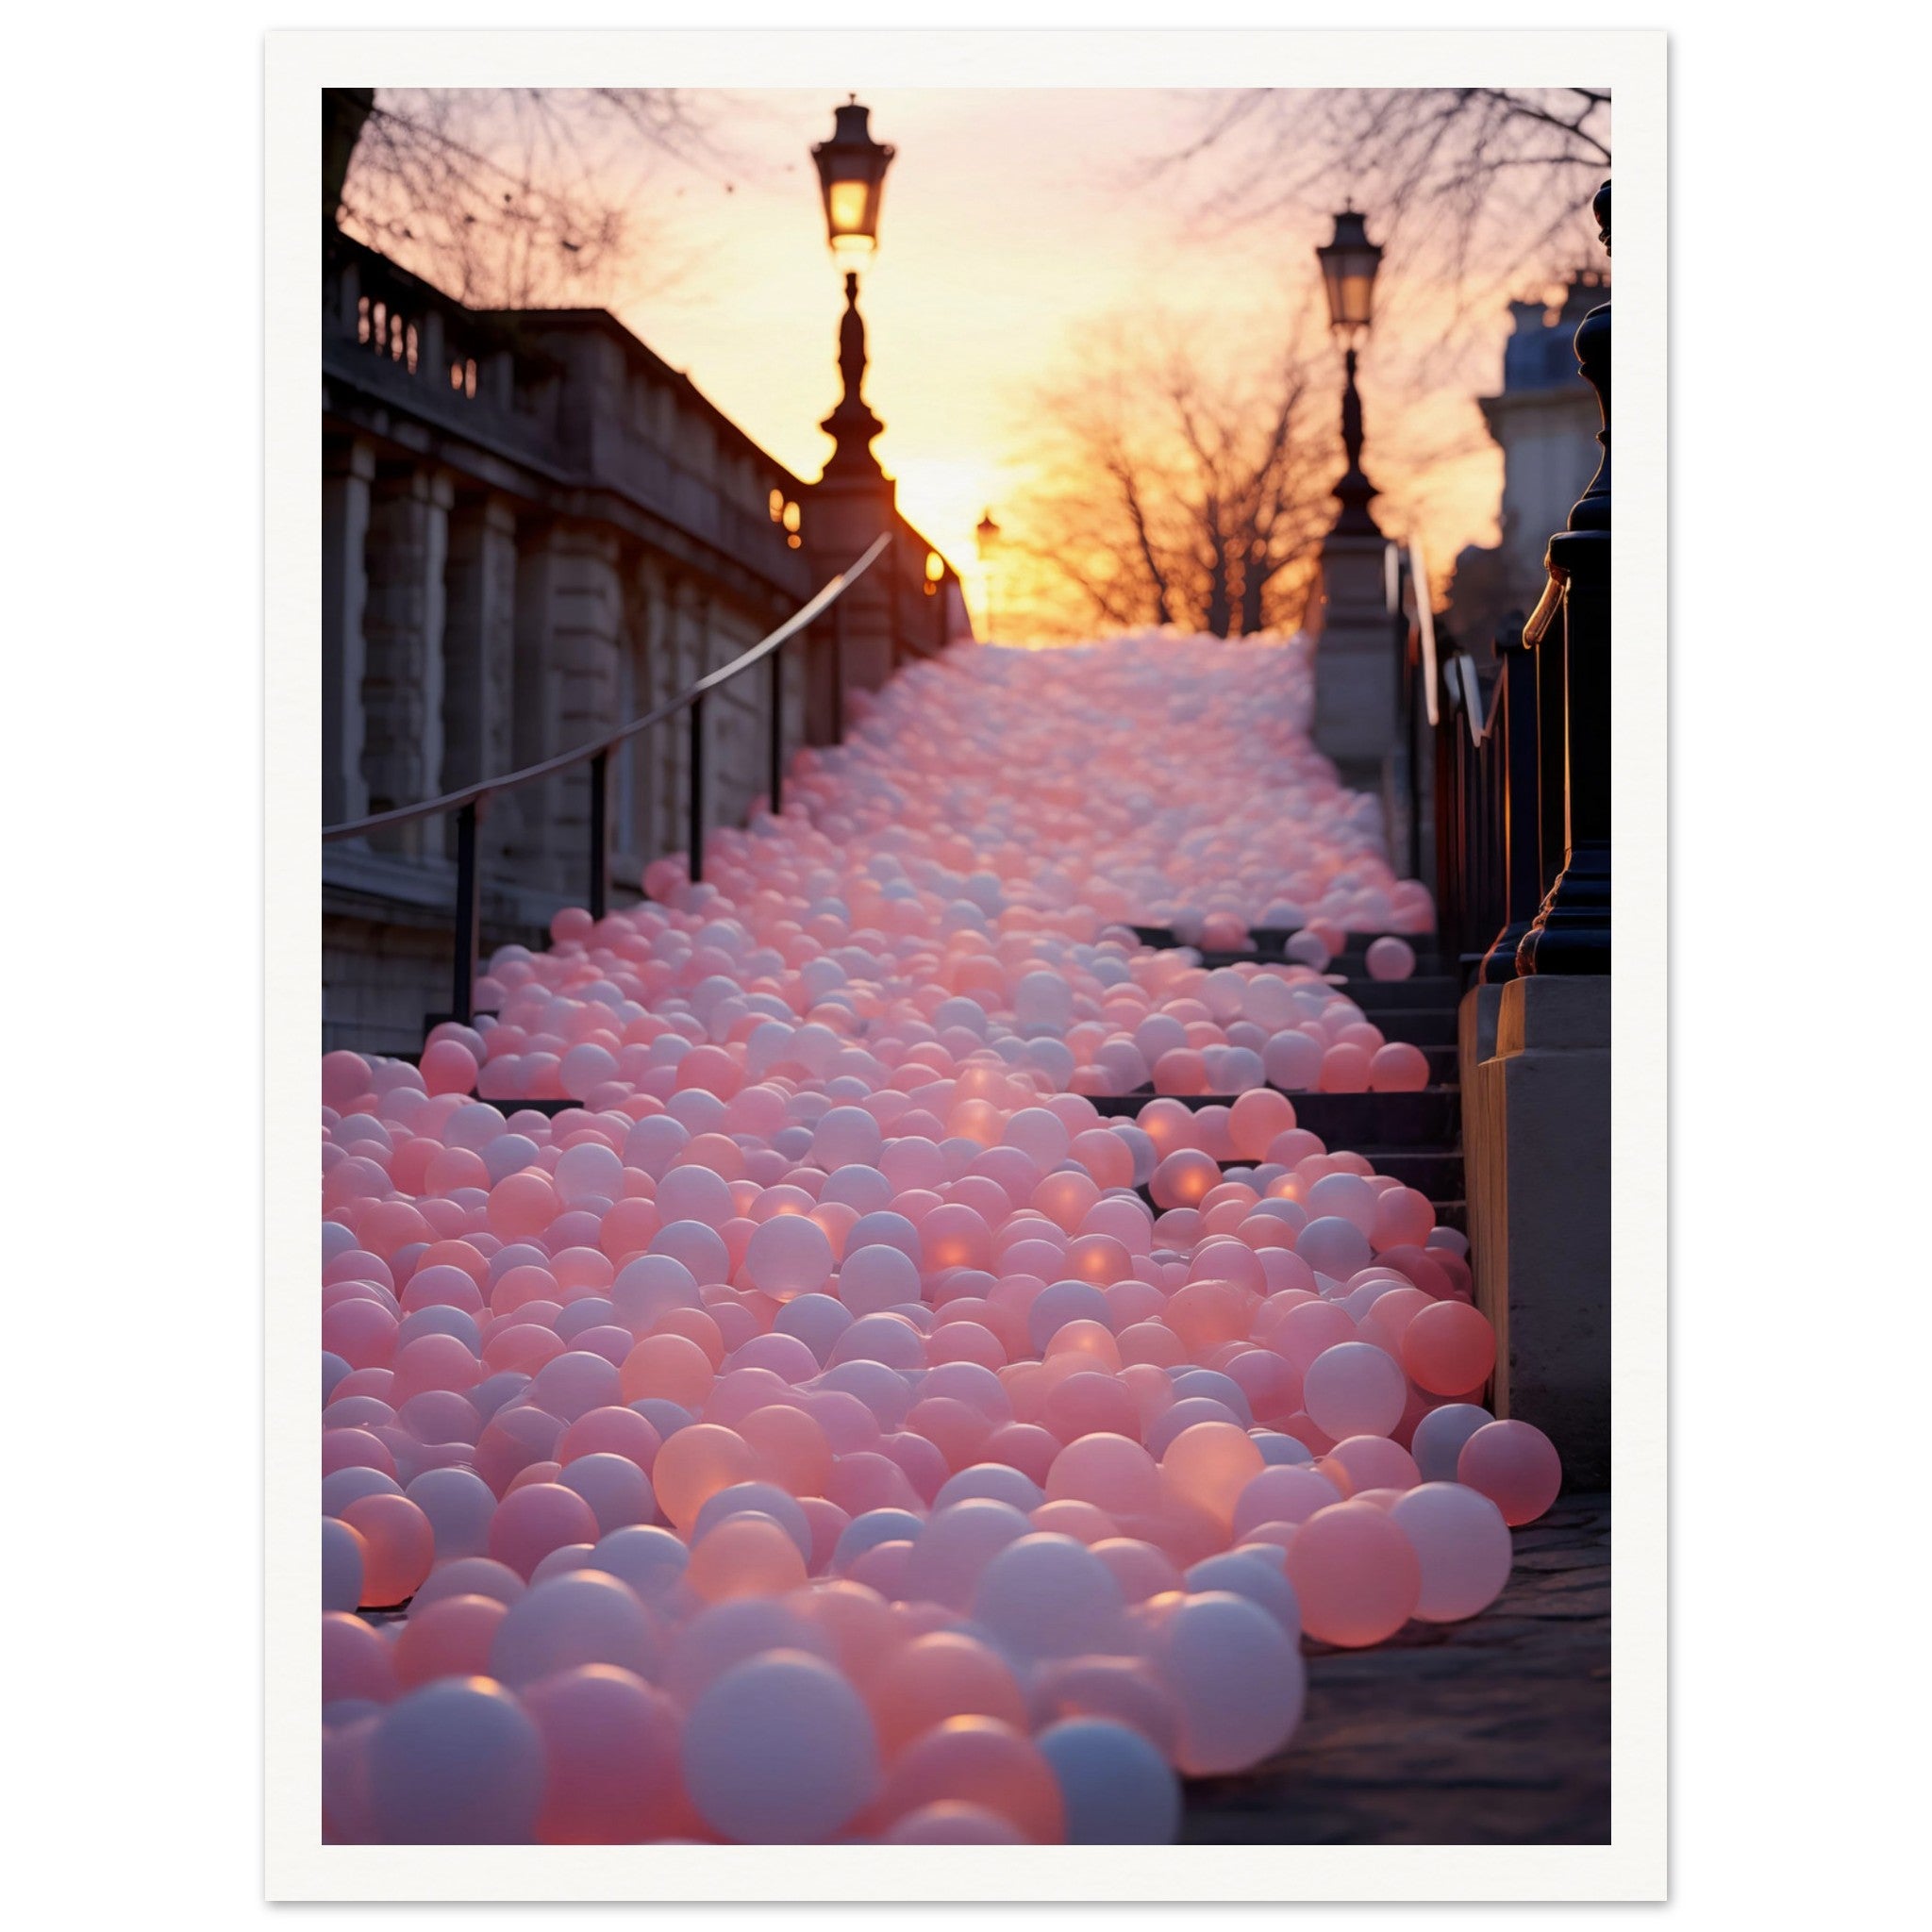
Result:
[[533, 529]]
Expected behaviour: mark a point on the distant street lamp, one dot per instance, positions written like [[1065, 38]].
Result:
[[986, 538], [852, 180], [1349, 261]]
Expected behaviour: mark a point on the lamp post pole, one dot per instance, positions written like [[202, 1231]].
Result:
[[1359, 706], [1354, 491], [986, 537], [854, 501], [852, 426]]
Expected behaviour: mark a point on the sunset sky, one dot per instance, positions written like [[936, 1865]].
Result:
[[1018, 224]]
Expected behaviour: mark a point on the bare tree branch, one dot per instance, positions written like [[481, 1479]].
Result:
[[507, 197], [1217, 473], [1482, 190]]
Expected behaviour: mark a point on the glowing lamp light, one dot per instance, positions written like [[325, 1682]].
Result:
[[852, 177], [1349, 261]]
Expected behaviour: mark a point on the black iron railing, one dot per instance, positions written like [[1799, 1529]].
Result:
[[468, 805], [1508, 790]]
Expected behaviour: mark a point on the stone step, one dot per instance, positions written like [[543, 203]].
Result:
[[1270, 940], [1438, 1175], [1434, 1170], [1360, 1123], [1432, 1118], [1435, 994], [1428, 1169], [1377, 1120], [1424, 1026]]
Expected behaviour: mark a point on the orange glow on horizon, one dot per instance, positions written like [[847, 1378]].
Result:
[[1017, 226]]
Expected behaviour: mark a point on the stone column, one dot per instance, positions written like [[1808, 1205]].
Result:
[[569, 616], [655, 755], [630, 763], [1536, 1146], [402, 679], [348, 465], [845, 513], [1357, 698], [479, 641], [693, 659]]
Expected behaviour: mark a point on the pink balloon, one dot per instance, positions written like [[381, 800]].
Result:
[[1515, 1465], [1389, 958], [1356, 1574], [1354, 1388], [792, 1410], [1463, 1545], [610, 1742]]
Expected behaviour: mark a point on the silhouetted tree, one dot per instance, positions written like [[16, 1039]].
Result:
[[1487, 189], [1177, 487], [505, 196]]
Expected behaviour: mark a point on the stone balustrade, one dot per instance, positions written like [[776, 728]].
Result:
[[533, 528]]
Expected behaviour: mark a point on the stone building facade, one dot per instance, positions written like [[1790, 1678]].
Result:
[[533, 529], [1544, 420]]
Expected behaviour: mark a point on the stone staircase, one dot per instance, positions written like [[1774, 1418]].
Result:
[[1415, 1137]]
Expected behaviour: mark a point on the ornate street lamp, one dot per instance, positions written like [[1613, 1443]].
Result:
[[1349, 261], [986, 540], [852, 180]]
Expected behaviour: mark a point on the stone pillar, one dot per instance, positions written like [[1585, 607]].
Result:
[[693, 618], [569, 616], [629, 764], [402, 625], [853, 503], [659, 751], [1537, 1152], [844, 517], [1357, 694], [479, 641], [348, 465]]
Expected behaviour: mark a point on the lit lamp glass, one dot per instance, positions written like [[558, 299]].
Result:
[[1349, 262], [852, 178]]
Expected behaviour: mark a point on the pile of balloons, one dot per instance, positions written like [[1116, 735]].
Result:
[[831, 1426]]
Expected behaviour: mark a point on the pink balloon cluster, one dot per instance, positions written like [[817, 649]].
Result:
[[814, 1433]]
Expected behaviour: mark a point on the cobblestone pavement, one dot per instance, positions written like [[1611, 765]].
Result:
[[1497, 1731]]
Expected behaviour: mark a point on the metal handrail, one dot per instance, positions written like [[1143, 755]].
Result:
[[1426, 628], [1547, 604], [468, 803], [563, 760], [1467, 684]]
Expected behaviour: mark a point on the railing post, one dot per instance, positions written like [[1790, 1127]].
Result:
[[1422, 773], [1549, 776], [468, 932], [775, 780], [894, 642], [1522, 880], [697, 787], [839, 670], [1572, 932], [1448, 843], [600, 833]]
